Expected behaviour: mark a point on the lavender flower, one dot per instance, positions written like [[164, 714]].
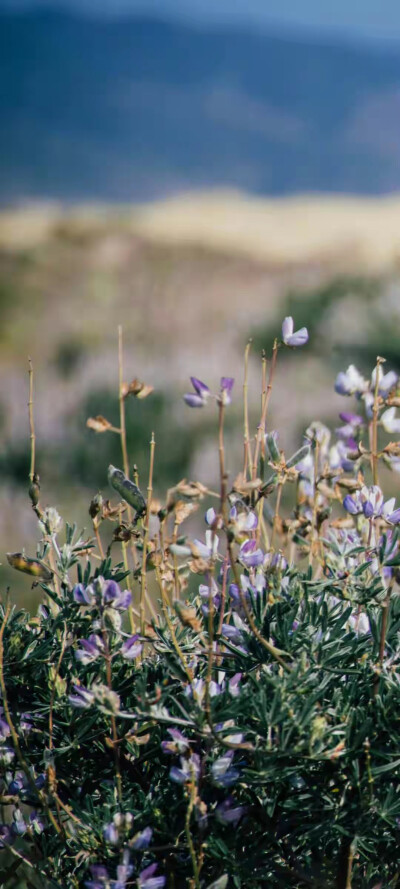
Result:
[[147, 880], [291, 337], [91, 649], [386, 382], [179, 743], [82, 699], [222, 772], [394, 517], [243, 522], [250, 555], [83, 595], [233, 685], [225, 396], [189, 767], [209, 549], [200, 396], [131, 648], [111, 834], [350, 382], [232, 633], [142, 839], [4, 727], [18, 826], [353, 505], [99, 875], [36, 823], [6, 837], [227, 813], [113, 595]]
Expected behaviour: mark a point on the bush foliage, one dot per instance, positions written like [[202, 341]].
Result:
[[220, 712]]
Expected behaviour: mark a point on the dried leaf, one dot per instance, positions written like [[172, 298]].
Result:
[[184, 510], [110, 512], [393, 448], [188, 616], [242, 486], [185, 490], [136, 388], [199, 566], [98, 424]]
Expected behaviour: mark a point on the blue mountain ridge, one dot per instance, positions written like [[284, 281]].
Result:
[[135, 108]]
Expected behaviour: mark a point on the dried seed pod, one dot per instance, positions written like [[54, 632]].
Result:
[[95, 506], [29, 566], [34, 490], [127, 489]]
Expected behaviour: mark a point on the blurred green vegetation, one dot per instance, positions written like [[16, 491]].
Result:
[[85, 455], [313, 309]]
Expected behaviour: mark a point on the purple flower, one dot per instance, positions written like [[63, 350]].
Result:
[[131, 648], [200, 396], [99, 875], [233, 685], [142, 839], [4, 729], [111, 834], [189, 767], [147, 880], [227, 813], [91, 649], [19, 783], [225, 396], [250, 554], [394, 517], [18, 826], [40, 781], [124, 871], [293, 338], [222, 772], [113, 595], [342, 453], [36, 822], [83, 698], [353, 420], [179, 743], [6, 837], [26, 722], [232, 633], [83, 595], [209, 549], [353, 505]]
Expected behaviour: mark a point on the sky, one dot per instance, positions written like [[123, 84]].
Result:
[[365, 19]]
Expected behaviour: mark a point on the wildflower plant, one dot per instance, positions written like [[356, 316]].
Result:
[[220, 711]]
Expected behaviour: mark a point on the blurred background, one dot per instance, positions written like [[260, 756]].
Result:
[[194, 171]]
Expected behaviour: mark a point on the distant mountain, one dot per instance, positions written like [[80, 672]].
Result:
[[136, 108]]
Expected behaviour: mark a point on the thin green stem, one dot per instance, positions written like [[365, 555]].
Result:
[[146, 538]]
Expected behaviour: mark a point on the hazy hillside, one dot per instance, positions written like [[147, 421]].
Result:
[[138, 108]]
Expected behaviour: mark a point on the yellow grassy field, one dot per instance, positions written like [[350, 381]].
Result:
[[366, 231], [361, 232]]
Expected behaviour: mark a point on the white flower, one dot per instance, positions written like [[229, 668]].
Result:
[[386, 382], [209, 549], [350, 382], [389, 420], [291, 337]]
